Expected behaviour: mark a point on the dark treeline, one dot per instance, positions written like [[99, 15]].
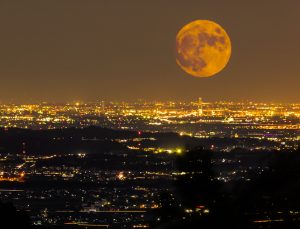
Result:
[[97, 139]]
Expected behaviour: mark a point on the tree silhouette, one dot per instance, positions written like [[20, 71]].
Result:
[[208, 203], [11, 218]]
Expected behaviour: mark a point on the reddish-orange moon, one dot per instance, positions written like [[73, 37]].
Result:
[[203, 48]]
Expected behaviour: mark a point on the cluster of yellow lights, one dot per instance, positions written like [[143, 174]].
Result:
[[156, 114], [169, 151], [19, 178]]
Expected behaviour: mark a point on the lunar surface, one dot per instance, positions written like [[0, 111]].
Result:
[[203, 48]]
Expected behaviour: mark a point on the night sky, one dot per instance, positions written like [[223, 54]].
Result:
[[63, 51]]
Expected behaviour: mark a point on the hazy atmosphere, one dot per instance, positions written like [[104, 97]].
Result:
[[61, 51]]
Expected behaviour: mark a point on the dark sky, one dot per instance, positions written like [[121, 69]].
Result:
[[57, 50]]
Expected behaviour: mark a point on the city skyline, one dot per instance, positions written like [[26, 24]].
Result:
[[61, 52]]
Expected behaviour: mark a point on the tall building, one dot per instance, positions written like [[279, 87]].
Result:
[[200, 107], [103, 106]]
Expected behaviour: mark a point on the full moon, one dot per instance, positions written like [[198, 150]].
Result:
[[203, 48]]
